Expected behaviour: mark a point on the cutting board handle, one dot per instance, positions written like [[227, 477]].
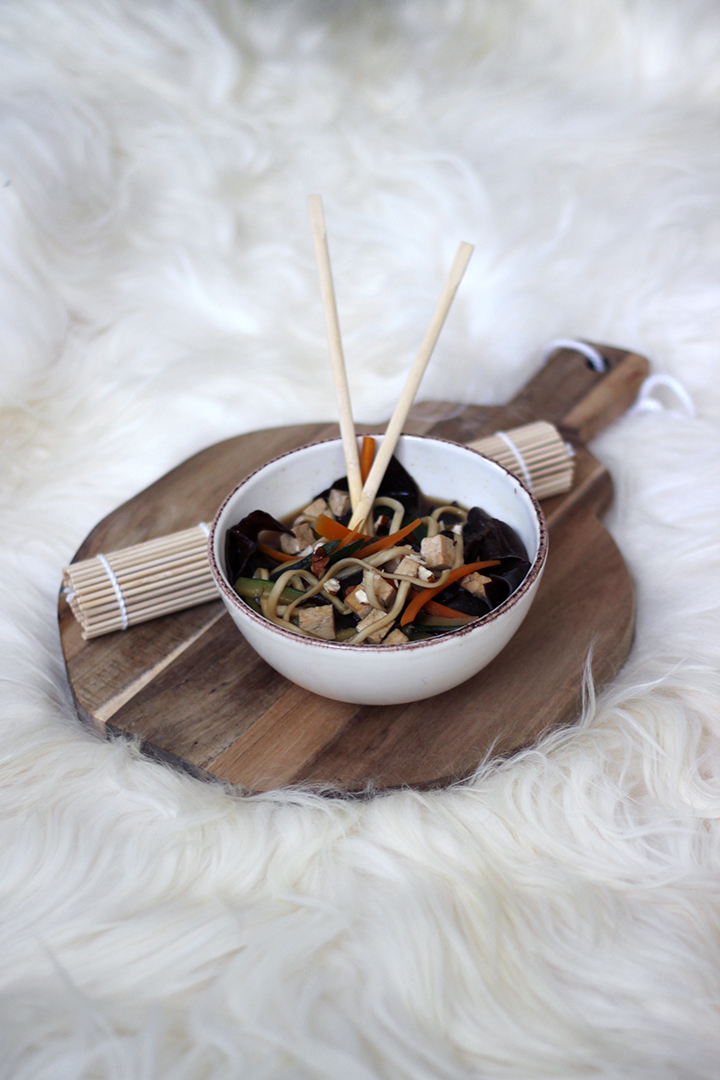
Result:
[[612, 396], [567, 391]]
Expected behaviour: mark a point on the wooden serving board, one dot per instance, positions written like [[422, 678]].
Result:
[[197, 696]]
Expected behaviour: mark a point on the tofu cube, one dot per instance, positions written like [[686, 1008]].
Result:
[[293, 543], [438, 552], [358, 601], [319, 621], [396, 638], [380, 586], [392, 563], [314, 510], [339, 502], [375, 616], [475, 583], [409, 566]]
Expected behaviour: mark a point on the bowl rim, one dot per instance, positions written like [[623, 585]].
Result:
[[246, 611]]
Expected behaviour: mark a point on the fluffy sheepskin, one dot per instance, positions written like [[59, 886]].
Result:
[[559, 915]]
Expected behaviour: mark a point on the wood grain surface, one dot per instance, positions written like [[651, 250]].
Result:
[[194, 693]]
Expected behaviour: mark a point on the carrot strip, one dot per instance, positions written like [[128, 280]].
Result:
[[388, 541], [330, 529], [433, 608], [349, 539], [424, 595], [279, 556], [367, 454]]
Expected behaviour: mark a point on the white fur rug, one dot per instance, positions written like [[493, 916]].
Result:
[[560, 915]]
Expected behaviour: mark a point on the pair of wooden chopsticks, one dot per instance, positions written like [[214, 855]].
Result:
[[363, 496]]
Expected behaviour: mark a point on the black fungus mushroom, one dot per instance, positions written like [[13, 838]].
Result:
[[242, 540]]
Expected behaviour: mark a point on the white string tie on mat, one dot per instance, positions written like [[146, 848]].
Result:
[[118, 591], [204, 528], [645, 402], [597, 360], [518, 456]]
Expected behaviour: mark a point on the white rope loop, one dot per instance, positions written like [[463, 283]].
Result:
[[596, 359], [645, 402]]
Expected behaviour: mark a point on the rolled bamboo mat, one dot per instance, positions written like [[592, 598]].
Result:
[[122, 588], [536, 453]]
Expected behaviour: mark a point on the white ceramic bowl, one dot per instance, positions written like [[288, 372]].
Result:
[[384, 674]]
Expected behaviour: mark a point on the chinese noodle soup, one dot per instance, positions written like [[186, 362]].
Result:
[[417, 570]]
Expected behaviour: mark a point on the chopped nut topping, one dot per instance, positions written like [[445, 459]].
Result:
[[319, 562]]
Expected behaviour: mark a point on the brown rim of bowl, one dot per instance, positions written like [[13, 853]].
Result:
[[535, 567]]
